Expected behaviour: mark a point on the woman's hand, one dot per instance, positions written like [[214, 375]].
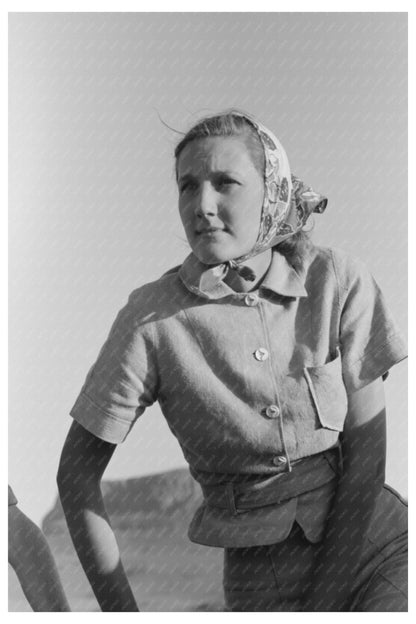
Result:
[[364, 458], [83, 461]]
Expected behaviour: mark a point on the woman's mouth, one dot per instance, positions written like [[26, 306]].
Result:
[[209, 231]]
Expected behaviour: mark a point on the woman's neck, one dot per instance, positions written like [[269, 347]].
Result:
[[259, 264]]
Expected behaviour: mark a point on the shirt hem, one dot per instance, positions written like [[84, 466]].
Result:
[[98, 422]]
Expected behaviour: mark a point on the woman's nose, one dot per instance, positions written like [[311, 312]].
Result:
[[206, 203]]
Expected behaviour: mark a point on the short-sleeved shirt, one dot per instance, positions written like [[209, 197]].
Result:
[[248, 382]]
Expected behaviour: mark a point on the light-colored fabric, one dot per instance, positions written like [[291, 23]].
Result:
[[248, 382], [263, 512], [287, 204]]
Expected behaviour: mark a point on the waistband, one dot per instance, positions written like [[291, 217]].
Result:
[[306, 474]]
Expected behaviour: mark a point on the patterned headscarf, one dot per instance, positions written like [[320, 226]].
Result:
[[287, 203]]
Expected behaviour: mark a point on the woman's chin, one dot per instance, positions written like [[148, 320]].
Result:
[[210, 258], [210, 254]]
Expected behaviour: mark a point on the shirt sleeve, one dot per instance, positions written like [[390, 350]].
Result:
[[123, 380], [370, 341]]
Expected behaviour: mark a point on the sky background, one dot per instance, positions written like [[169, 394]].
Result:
[[92, 210]]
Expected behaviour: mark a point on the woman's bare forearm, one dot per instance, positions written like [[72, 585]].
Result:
[[83, 462], [96, 546]]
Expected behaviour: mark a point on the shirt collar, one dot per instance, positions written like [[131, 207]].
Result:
[[280, 278]]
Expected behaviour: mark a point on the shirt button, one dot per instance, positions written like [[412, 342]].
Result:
[[261, 354], [279, 460], [272, 411], [251, 300]]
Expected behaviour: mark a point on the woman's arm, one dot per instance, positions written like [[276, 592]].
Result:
[[364, 458], [83, 461]]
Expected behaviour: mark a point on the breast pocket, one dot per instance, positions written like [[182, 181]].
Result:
[[328, 393]]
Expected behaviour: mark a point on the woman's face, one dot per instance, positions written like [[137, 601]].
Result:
[[220, 198]]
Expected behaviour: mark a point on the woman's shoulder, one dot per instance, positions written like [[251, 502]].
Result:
[[156, 297], [346, 268]]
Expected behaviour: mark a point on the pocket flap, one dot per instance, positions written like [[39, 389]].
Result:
[[328, 392]]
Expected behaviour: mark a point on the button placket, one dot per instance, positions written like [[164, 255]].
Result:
[[275, 409]]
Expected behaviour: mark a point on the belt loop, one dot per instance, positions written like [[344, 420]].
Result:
[[229, 490]]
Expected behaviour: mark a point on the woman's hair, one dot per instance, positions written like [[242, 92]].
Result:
[[227, 124], [230, 124]]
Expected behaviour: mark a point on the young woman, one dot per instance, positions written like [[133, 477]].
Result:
[[266, 354]]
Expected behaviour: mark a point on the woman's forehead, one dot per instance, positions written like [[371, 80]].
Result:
[[214, 153]]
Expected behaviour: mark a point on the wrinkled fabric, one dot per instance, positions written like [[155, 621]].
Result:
[[248, 382], [287, 204], [263, 511]]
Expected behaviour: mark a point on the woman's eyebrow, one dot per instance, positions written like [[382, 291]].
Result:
[[228, 172], [186, 177]]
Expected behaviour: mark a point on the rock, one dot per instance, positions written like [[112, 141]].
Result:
[[164, 496], [150, 517]]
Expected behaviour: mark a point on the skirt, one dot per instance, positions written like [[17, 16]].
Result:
[[276, 577]]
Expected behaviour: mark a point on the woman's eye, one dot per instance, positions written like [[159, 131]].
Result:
[[188, 186], [226, 182]]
